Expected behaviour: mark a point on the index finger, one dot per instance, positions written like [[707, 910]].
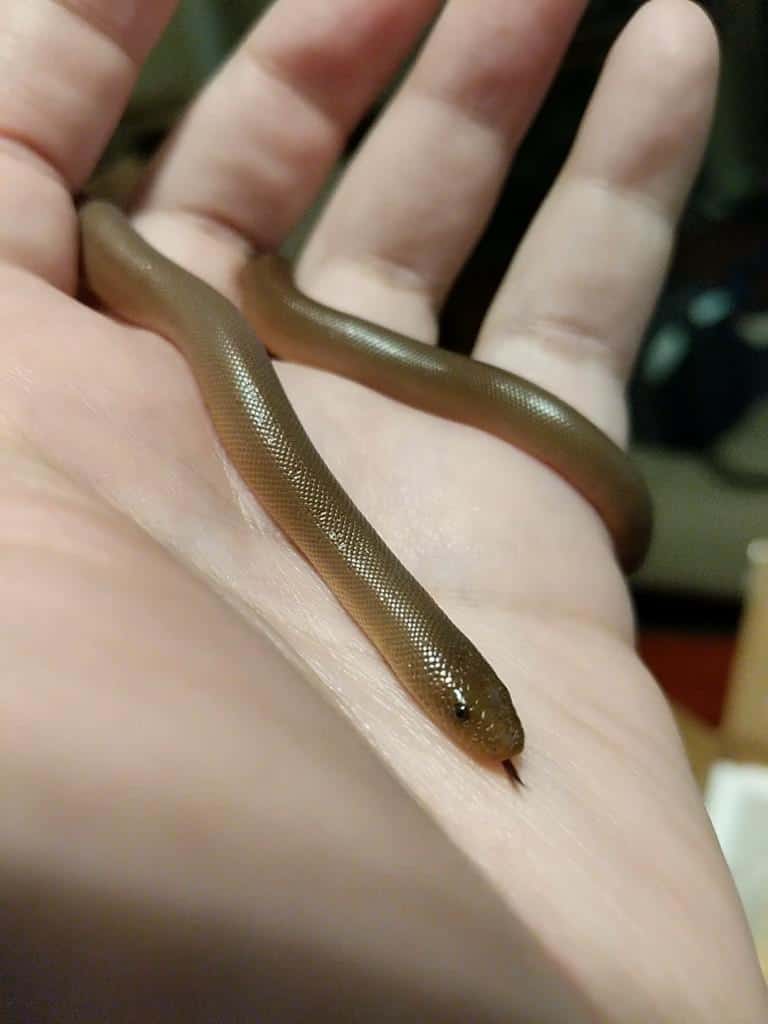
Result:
[[572, 308]]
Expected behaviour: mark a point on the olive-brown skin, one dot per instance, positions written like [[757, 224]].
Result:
[[266, 443], [447, 384]]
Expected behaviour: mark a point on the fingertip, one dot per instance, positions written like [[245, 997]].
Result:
[[649, 121], [677, 34]]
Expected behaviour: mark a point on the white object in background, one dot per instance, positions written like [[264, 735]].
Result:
[[737, 801]]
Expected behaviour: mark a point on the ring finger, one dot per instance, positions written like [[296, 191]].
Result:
[[390, 240]]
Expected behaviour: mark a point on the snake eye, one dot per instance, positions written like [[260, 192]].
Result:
[[461, 710]]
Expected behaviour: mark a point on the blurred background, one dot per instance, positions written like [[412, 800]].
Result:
[[699, 397]]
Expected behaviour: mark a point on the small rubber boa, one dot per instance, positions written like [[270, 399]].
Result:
[[262, 436]]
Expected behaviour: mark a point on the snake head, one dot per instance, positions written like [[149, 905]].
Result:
[[475, 706]]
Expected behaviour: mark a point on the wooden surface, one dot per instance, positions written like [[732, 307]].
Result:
[[744, 729]]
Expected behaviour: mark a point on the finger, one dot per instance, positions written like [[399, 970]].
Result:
[[419, 193], [67, 69], [255, 148], [576, 300]]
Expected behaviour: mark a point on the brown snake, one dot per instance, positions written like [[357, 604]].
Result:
[[269, 448]]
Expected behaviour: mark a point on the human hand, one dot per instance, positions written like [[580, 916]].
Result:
[[158, 709]]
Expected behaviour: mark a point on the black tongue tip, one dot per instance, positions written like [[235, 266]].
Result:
[[511, 771]]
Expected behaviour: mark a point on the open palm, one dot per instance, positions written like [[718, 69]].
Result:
[[176, 650]]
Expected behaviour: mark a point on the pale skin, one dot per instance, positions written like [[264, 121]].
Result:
[[166, 653]]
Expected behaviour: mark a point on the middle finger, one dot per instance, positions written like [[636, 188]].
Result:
[[411, 206], [256, 145]]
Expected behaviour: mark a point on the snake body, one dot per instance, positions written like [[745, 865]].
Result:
[[450, 385], [269, 448]]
